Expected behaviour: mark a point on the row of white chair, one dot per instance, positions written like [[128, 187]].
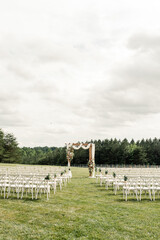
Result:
[[131, 171], [30, 170], [138, 188], [21, 186], [34, 184], [134, 184]]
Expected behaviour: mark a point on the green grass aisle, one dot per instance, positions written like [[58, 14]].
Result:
[[82, 210]]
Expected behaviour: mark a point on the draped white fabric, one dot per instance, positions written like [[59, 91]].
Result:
[[79, 146], [93, 151], [93, 158], [86, 147], [68, 145]]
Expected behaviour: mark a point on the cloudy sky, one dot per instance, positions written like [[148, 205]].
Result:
[[79, 70]]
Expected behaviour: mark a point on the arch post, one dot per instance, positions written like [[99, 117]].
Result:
[[92, 160], [69, 163]]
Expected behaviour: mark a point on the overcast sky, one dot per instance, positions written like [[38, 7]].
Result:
[[79, 70]]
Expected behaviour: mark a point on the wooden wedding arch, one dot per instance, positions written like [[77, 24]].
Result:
[[75, 146]]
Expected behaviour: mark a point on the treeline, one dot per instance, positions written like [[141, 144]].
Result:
[[9, 150], [113, 151], [44, 155], [11, 153]]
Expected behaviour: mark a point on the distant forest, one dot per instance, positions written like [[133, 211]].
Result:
[[108, 151]]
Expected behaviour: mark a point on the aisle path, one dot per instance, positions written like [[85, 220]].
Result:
[[83, 188]]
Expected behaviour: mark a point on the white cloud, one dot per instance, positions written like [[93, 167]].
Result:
[[76, 70]]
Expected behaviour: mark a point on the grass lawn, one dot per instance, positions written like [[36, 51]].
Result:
[[82, 210]]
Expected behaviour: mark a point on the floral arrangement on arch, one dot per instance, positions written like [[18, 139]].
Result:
[[70, 153], [91, 166]]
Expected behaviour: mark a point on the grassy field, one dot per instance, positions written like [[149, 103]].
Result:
[[82, 210]]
